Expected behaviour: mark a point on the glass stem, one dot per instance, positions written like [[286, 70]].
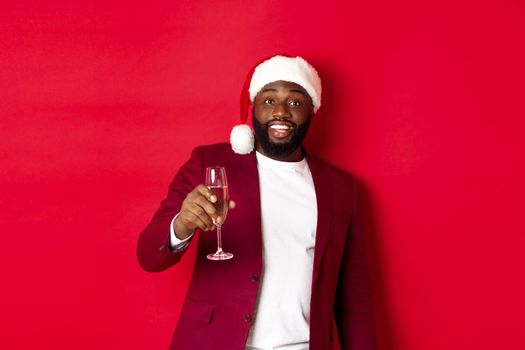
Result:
[[219, 240]]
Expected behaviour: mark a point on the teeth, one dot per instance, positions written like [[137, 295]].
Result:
[[280, 127]]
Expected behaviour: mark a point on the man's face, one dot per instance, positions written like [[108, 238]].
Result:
[[281, 116]]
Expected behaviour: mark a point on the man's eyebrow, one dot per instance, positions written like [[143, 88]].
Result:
[[297, 90], [269, 89]]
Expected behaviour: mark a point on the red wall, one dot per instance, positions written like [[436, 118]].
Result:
[[100, 105]]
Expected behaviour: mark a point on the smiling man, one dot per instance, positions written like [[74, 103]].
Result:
[[281, 116], [299, 259]]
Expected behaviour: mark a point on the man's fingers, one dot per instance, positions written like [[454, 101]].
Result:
[[232, 204], [208, 207], [201, 214], [197, 220], [190, 220], [205, 191]]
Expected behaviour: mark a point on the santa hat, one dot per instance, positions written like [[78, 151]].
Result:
[[291, 69]]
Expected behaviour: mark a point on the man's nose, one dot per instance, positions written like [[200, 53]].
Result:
[[281, 110]]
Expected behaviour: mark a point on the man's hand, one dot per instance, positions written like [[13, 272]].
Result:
[[196, 212]]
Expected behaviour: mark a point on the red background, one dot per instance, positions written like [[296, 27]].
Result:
[[101, 103]]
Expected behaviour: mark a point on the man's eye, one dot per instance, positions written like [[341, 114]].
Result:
[[268, 101], [295, 103]]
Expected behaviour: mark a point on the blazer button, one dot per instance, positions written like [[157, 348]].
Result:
[[247, 318], [254, 278]]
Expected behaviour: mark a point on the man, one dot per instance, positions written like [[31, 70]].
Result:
[[299, 257]]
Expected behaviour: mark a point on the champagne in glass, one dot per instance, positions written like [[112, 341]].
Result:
[[222, 203], [217, 183]]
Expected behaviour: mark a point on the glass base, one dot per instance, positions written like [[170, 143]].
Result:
[[220, 255]]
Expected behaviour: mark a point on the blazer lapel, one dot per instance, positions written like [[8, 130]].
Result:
[[248, 181], [323, 192]]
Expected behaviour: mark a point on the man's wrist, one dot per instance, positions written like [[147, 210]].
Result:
[[181, 231], [177, 243]]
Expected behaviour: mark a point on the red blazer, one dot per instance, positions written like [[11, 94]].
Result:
[[217, 312]]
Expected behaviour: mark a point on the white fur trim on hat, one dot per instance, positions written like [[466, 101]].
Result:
[[291, 69], [241, 139]]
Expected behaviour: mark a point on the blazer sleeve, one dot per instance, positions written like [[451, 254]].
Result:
[[353, 306], [153, 248]]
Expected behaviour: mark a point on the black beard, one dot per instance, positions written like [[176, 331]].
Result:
[[279, 150]]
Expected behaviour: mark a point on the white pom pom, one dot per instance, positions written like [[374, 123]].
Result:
[[241, 139]]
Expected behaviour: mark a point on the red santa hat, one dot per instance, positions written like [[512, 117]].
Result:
[[277, 68]]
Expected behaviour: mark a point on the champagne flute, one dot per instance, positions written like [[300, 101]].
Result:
[[218, 185]]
